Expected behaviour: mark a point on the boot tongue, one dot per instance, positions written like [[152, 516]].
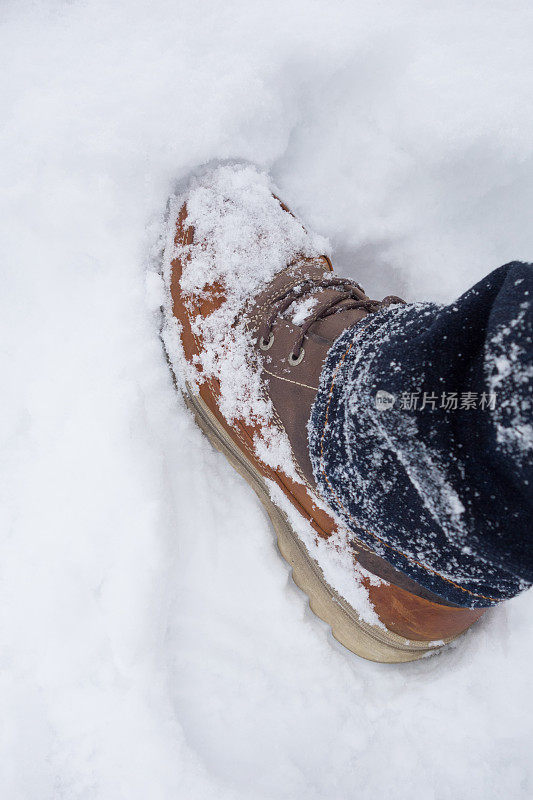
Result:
[[334, 325], [312, 269], [316, 269]]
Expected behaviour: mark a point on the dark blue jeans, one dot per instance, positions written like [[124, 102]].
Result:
[[421, 438]]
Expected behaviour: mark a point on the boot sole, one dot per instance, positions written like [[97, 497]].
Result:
[[365, 640]]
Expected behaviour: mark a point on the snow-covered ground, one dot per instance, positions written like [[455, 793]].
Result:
[[152, 644]]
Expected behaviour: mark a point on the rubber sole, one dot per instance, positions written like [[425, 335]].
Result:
[[365, 640]]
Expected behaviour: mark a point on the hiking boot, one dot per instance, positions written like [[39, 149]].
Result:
[[253, 307]]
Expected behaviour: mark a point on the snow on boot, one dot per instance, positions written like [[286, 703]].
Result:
[[253, 307]]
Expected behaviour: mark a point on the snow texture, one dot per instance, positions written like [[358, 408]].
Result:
[[508, 373], [152, 644], [335, 558], [300, 310], [243, 238]]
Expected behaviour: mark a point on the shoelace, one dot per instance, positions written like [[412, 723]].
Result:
[[348, 291]]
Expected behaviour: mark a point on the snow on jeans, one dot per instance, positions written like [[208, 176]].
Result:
[[421, 438]]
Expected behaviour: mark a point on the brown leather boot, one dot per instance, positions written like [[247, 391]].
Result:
[[252, 310]]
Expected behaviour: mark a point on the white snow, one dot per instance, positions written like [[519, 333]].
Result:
[[335, 558], [243, 238], [505, 371], [300, 310], [152, 644]]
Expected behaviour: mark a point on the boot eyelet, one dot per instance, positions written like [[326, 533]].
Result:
[[266, 345], [296, 359]]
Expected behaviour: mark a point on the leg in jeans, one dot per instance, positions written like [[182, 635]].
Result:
[[421, 438]]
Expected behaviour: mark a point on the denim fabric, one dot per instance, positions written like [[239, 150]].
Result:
[[421, 438]]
